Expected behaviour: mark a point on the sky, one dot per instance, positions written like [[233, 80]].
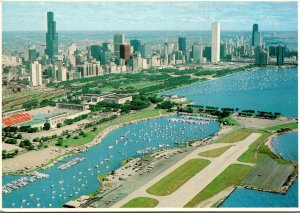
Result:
[[125, 16]]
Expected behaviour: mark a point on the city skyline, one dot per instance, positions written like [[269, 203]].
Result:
[[131, 16]]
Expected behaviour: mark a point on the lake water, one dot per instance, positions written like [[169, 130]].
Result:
[[287, 145], [82, 178], [272, 90]]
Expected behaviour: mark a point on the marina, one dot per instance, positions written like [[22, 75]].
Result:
[[71, 163], [129, 141], [22, 182]]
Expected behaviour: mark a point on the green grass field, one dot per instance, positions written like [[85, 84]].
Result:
[[237, 135], [268, 174], [232, 175], [178, 177], [141, 202], [143, 84], [292, 125], [230, 121], [214, 152], [90, 135], [251, 155]]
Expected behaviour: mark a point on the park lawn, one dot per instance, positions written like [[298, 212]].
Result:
[[143, 84], [232, 175], [251, 155], [90, 135], [236, 136], [214, 152], [106, 89], [292, 125], [141, 202], [178, 177], [230, 121]]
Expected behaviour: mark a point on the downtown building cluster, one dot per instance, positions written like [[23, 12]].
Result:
[[50, 64]]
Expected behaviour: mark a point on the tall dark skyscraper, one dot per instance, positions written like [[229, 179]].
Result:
[[125, 51], [254, 30], [182, 44], [135, 44], [280, 54], [51, 36]]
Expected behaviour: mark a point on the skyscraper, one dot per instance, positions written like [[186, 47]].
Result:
[[182, 44], [135, 44], [62, 73], [257, 39], [222, 51], [118, 40], [146, 50], [198, 53], [215, 42], [125, 51], [51, 36], [255, 29], [36, 74], [280, 55], [95, 52]]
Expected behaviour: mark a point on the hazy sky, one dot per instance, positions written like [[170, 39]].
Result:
[[32, 16]]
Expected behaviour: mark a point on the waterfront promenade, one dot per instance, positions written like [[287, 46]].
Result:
[[190, 189]]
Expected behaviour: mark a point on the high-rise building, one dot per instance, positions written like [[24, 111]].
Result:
[[51, 36], [146, 50], [95, 52], [254, 30], [197, 53], [261, 56], [135, 44], [36, 74], [215, 42], [106, 47], [32, 54], [125, 51], [272, 51], [118, 40], [71, 55], [43, 49], [207, 53], [182, 44], [62, 73], [222, 51], [280, 54], [257, 39], [89, 69]]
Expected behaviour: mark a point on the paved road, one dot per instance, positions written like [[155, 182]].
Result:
[[190, 189]]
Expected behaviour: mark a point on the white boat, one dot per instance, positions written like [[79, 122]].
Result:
[[110, 147], [38, 205], [31, 195]]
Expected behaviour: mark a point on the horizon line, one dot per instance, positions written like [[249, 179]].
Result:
[[144, 30]]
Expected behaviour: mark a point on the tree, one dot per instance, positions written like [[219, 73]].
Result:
[[47, 126], [19, 136], [59, 125]]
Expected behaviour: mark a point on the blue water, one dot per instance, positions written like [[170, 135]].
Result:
[[272, 90], [253, 198], [286, 144], [136, 137]]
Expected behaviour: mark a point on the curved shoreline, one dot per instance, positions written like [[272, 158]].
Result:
[[85, 147]]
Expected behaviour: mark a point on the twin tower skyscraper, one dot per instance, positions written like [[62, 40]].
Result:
[[51, 36]]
